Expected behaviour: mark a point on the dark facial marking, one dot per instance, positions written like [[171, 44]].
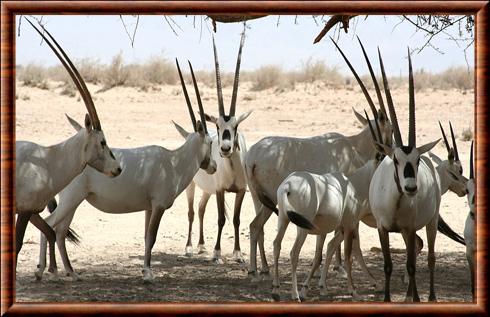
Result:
[[226, 135], [407, 149], [473, 200], [103, 143], [226, 118], [408, 171], [395, 160], [112, 155]]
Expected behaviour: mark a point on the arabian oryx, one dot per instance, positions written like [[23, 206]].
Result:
[[228, 151], [469, 227], [404, 195], [152, 178], [319, 204], [272, 159], [41, 172]]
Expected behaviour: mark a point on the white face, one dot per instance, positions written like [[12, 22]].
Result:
[[99, 155], [227, 133], [406, 161], [470, 194]]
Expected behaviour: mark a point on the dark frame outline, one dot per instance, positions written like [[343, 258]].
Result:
[[11, 8]]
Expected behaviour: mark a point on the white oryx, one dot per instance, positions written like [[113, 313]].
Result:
[[319, 204], [469, 227], [272, 159], [42, 171], [404, 195], [152, 178], [228, 151]]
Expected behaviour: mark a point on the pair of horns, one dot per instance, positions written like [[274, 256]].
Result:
[[361, 84], [448, 148], [74, 74], [235, 82], [188, 101]]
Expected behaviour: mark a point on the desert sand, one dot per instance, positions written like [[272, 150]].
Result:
[[110, 257]]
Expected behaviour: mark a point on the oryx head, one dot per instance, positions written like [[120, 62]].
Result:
[[470, 185], [207, 162], [227, 124], [377, 139], [452, 166], [383, 124], [405, 158], [95, 152]]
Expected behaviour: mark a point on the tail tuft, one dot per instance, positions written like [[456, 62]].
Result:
[[444, 228], [300, 221], [71, 236]]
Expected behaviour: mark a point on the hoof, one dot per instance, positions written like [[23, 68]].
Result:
[[188, 251], [217, 257], [303, 293], [74, 277], [276, 297], [147, 275], [354, 295], [38, 275], [432, 298], [340, 271], [265, 276], [201, 249], [301, 299], [237, 256], [323, 290]]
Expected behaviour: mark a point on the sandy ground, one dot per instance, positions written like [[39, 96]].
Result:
[[110, 257]]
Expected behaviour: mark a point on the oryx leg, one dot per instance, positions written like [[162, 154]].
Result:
[[431, 230], [338, 262], [202, 209], [237, 254], [419, 244], [409, 237], [282, 225], [384, 240], [147, 220], [357, 253], [220, 199], [348, 236], [317, 260], [20, 230], [61, 232], [471, 263], [189, 192], [294, 256], [332, 245], [257, 235], [151, 235], [50, 235]]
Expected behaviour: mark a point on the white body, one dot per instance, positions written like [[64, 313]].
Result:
[[272, 159], [229, 177], [152, 178], [329, 202]]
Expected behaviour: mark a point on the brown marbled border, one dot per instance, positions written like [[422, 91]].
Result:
[[10, 8]]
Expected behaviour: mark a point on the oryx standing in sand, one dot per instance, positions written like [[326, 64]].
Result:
[[41, 172], [272, 159], [228, 151], [404, 195], [152, 178]]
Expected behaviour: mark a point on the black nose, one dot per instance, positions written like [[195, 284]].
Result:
[[119, 170], [411, 189], [225, 148]]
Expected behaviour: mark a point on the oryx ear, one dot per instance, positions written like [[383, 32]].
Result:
[[210, 118], [73, 123], [88, 122], [427, 147], [360, 117], [435, 158], [242, 117], [383, 149], [181, 130], [200, 128], [381, 117]]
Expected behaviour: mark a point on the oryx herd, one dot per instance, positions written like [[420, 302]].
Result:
[[322, 184]]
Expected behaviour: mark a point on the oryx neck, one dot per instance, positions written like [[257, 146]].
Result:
[[361, 179], [443, 178], [67, 159], [187, 159], [363, 144]]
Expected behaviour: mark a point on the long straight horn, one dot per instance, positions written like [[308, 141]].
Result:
[[373, 77], [359, 81], [448, 148], [187, 100], [199, 102], [472, 173], [411, 105], [218, 81], [74, 74], [373, 135], [237, 76], [456, 155], [391, 108]]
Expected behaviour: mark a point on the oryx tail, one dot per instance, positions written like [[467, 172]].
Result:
[[444, 228], [72, 236]]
